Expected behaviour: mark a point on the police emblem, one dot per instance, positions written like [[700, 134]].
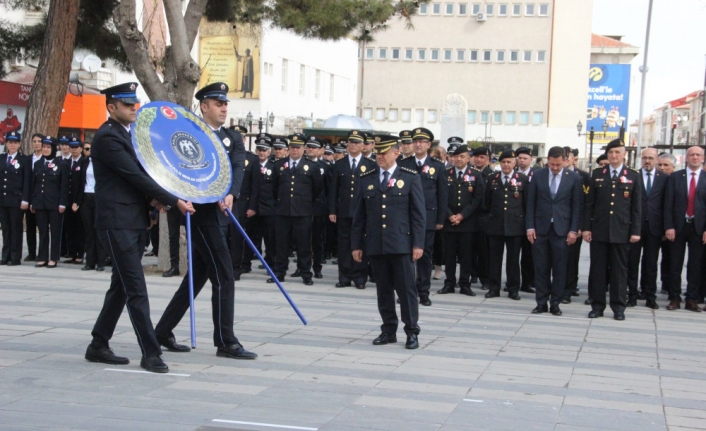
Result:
[[247, 162], [226, 142], [306, 168], [363, 168], [17, 165], [431, 171], [370, 187], [400, 184], [189, 151]]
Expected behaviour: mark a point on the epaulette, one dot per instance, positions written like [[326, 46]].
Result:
[[634, 170], [411, 171], [365, 174], [438, 160], [450, 167], [474, 170]]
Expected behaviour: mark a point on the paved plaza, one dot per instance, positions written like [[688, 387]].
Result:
[[482, 364]]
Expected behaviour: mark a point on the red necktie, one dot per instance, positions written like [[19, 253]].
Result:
[[692, 196]]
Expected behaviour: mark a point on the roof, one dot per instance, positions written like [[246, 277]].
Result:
[[682, 101], [599, 41]]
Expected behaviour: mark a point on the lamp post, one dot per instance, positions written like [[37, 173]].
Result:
[[270, 121], [248, 121], [591, 134], [671, 138]]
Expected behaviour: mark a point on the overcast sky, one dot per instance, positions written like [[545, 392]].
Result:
[[676, 58]]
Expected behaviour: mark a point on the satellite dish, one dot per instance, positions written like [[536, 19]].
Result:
[[91, 63], [78, 57]]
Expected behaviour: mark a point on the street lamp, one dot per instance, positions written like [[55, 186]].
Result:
[[270, 122], [591, 135], [671, 138], [248, 121]]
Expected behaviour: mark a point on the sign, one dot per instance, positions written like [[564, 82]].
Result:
[[608, 100], [181, 153]]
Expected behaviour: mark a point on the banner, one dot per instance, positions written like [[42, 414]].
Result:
[[608, 100]]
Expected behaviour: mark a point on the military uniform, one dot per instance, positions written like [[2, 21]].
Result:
[[263, 222], [15, 179], [572, 271], [319, 212], [75, 238], [526, 262], [480, 238], [248, 200]]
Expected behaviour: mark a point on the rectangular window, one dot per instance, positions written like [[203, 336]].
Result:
[[527, 56], [408, 54], [475, 8], [541, 56], [543, 9], [489, 9], [302, 80], [284, 75], [317, 84], [449, 8], [463, 9], [484, 116], [448, 55], [380, 114], [369, 53], [473, 56], [497, 117], [500, 56], [470, 116], [368, 113], [461, 55], [406, 115], [432, 115], [487, 55], [382, 53], [395, 53], [436, 9], [421, 54], [392, 115], [435, 55], [514, 56], [423, 9], [419, 116], [332, 87], [516, 9], [510, 117], [502, 10], [538, 118], [524, 117], [529, 9]]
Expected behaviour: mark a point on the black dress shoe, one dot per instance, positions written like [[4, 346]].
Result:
[[641, 295], [51, 265], [594, 314], [588, 301], [235, 351], [412, 342], [619, 316], [88, 268], [505, 289], [245, 270], [631, 303], [154, 364], [296, 273], [467, 291], [261, 267], [100, 268], [528, 289], [104, 355], [360, 286], [308, 281], [474, 280], [514, 296], [150, 254], [555, 310], [3, 262], [385, 338], [11, 263], [575, 293], [172, 345], [371, 279], [485, 286], [171, 272], [272, 280], [566, 300], [40, 265], [334, 262], [446, 289], [492, 294], [340, 284], [540, 309], [236, 276], [318, 275], [72, 260], [30, 258], [652, 304], [425, 301]]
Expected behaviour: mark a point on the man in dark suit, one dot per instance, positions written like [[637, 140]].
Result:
[[388, 226], [15, 178], [523, 155], [320, 210], [75, 240], [343, 191], [653, 184], [436, 196], [572, 272], [480, 264], [122, 218], [297, 183], [245, 209], [506, 200], [554, 205], [684, 224], [611, 222]]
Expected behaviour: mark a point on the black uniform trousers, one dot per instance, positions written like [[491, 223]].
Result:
[[572, 269], [11, 222], [263, 231], [127, 287], [648, 247], [296, 232], [95, 254], [75, 239], [527, 264], [480, 259], [31, 226], [240, 251], [601, 254], [174, 231], [211, 261], [318, 236], [348, 269], [330, 248], [395, 273], [497, 245], [49, 223], [437, 255], [458, 245], [665, 265], [424, 265], [686, 238], [550, 254]]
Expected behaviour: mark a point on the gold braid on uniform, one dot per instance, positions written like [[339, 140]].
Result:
[[367, 173], [411, 171]]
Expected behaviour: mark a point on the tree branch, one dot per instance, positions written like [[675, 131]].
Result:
[[192, 20]]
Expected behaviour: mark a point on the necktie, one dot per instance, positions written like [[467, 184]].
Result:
[[353, 165], [419, 166], [552, 186], [460, 176], [9, 159], [649, 183], [294, 166], [507, 179], [615, 174], [692, 196], [385, 180]]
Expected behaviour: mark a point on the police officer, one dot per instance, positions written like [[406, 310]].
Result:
[[320, 210], [466, 194], [75, 240], [263, 222], [368, 146], [246, 208], [84, 201], [481, 161], [15, 178], [297, 184], [406, 147], [388, 226], [506, 200], [523, 157]]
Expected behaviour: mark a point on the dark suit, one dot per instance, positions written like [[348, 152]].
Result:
[[31, 220], [123, 191], [387, 224], [264, 221], [341, 203], [552, 219], [73, 227], [689, 232], [320, 216], [436, 196], [241, 252], [480, 264], [95, 253], [15, 179], [506, 200], [613, 214], [572, 271], [526, 263], [50, 190], [650, 237]]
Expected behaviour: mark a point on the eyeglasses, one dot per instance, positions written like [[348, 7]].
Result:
[[87, 149]]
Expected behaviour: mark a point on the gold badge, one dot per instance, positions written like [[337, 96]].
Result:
[[400, 184], [370, 187], [470, 189], [431, 171], [246, 162], [626, 194], [282, 168], [586, 189], [306, 168], [362, 168]]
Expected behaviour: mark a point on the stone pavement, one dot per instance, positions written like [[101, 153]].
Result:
[[482, 365]]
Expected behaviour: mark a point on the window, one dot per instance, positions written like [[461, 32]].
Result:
[[382, 53], [484, 115], [408, 54], [538, 118], [432, 115], [406, 115], [514, 56], [497, 117], [462, 9], [380, 114], [419, 116], [395, 53], [421, 54], [502, 10], [516, 9], [423, 9], [543, 9], [500, 56], [317, 84], [470, 116], [461, 55], [473, 56], [524, 117], [449, 8], [369, 53], [448, 55], [541, 56], [529, 9], [435, 55], [392, 115], [436, 8], [475, 8], [489, 9], [510, 117], [527, 56], [487, 55], [302, 80], [284, 75], [368, 113], [332, 87]]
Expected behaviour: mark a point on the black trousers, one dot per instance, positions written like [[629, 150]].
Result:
[[174, 229], [11, 222], [31, 226], [550, 253], [512, 265], [95, 254], [424, 265], [296, 232], [395, 273], [480, 260], [75, 238], [318, 236], [458, 245], [331, 247], [686, 238], [263, 231], [601, 254], [239, 249], [665, 264], [348, 269], [211, 261], [572, 269], [49, 223], [648, 247], [127, 287], [437, 255], [527, 264]]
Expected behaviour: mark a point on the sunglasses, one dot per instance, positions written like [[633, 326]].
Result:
[[87, 149]]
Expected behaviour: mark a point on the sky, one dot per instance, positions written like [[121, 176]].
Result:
[[676, 59]]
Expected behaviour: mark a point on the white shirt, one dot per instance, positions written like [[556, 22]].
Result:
[[292, 162], [457, 170], [12, 157], [35, 157], [420, 160], [357, 160], [558, 179], [391, 171], [619, 169], [90, 178]]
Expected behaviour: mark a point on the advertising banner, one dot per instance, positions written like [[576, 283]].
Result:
[[608, 100]]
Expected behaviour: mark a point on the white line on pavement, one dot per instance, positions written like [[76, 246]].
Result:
[[146, 372], [472, 401], [291, 427]]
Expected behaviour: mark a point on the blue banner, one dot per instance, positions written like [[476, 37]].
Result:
[[608, 100]]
